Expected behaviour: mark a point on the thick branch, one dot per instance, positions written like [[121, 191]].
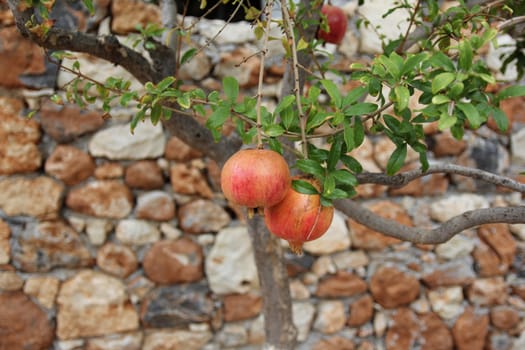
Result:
[[402, 179], [511, 215]]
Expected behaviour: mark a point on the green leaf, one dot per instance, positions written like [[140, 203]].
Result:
[[446, 121], [218, 117], [274, 130], [397, 159], [301, 44], [440, 99], [284, 103], [328, 185], [441, 81], [392, 67], [309, 166], [188, 55], [335, 153], [402, 96], [361, 108], [472, 114], [184, 101], [351, 163], [354, 95], [231, 88], [456, 89], [440, 60], [275, 145], [287, 117], [501, 119], [304, 187], [465, 55], [345, 177], [165, 83], [511, 91], [392, 123], [156, 113], [333, 92], [412, 62]]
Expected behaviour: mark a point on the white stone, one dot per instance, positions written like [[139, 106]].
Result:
[[303, 316], [446, 302], [350, 259], [391, 26], [118, 143], [128, 341], [519, 343], [517, 144], [336, 239], [256, 332], [518, 230], [169, 231], [230, 264], [232, 33], [380, 323], [136, 232], [331, 317], [505, 44], [420, 306], [323, 265], [97, 230], [74, 344], [446, 208], [457, 247], [298, 290]]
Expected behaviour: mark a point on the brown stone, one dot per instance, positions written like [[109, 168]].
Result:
[[470, 330], [155, 205], [118, 260], [28, 56], [104, 198], [499, 238], [392, 287], [519, 290], [504, 317], [178, 261], [366, 238], [241, 306], [401, 335], [435, 334], [429, 185], [24, 325], [361, 311], [10, 281], [47, 245], [446, 145], [242, 63], [513, 109], [43, 288], [342, 284], [5, 247], [66, 123], [69, 164], [334, 343], [455, 273], [126, 14], [202, 216], [488, 291], [145, 175], [179, 151], [108, 171], [40, 197], [487, 261], [186, 179]]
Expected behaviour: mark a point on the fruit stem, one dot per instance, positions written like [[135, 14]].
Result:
[[264, 51], [288, 29], [296, 247]]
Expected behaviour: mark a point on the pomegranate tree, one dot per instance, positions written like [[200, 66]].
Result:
[[255, 178], [299, 217]]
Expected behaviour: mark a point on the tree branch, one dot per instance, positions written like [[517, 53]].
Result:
[[402, 179], [510, 215]]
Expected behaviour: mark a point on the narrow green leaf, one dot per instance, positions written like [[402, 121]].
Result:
[[392, 123], [361, 108], [412, 62], [156, 112], [304, 187], [309, 166], [345, 177], [275, 145], [335, 153], [218, 117], [501, 119], [402, 97], [465, 55], [333, 92], [359, 133], [231, 88], [392, 68], [441, 81], [188, 55], [354, 95], [274, 130], [511, 91], [284, 103], [328, 185], [349, 136], [472, 114], [397, 159], [440, 60], [351, 163]]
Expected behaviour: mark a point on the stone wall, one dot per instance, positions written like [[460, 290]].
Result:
[[116, 241]]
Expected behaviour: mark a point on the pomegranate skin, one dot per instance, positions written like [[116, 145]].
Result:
[[298, 218], [255, 178], [337, 23]]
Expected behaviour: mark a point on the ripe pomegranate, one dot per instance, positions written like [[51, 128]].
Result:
[[299, 217], [337, 23], [255, 178]]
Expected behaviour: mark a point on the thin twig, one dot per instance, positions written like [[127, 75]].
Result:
[[410, 24]]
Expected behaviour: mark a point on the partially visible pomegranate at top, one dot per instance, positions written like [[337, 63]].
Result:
[[337, 23], [299, 217], [255, 178]]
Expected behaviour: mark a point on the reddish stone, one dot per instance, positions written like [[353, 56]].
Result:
[[179, 151], [361, 311], [499, 238], [70, 164], [186, 179], [488, 291], [470, 330], [66, 123], [108, 171], [156, 205], [446, 145], [334, 343], [127, 14], [5, 246], [342, 284], [241, 306], [106, 198], [391, 287], [117, 260], [169, 262], [451, 274], [487, 261], [435, 334], [28, 56], [402, 334], [519, 290], [24, 325], [366, 238], [145, 175], [504, 317]]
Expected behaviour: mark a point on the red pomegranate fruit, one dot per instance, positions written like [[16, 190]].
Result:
[[337, 23], [255, 178], [299, 217]]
